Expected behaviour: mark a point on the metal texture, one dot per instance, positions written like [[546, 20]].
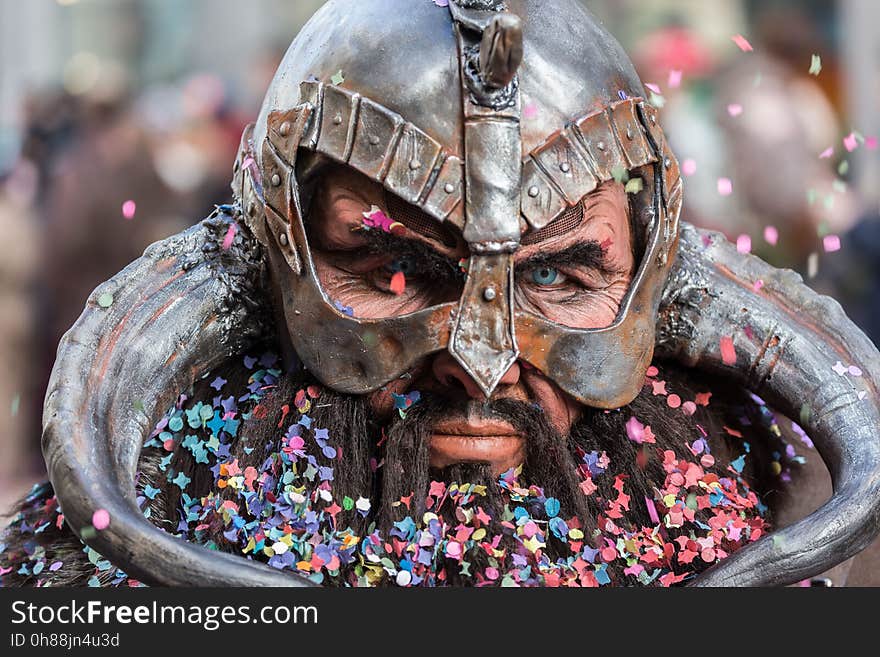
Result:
[[185, 307], [481, 168], [788, 340]]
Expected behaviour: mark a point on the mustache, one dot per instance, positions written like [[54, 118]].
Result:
[[525, 417]]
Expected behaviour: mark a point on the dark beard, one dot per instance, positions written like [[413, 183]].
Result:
[[390, 466]]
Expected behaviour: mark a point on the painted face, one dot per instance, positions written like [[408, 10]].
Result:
[[379, 269]]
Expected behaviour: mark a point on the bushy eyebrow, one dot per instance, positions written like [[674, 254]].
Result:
[[382, 243], [586, 254]]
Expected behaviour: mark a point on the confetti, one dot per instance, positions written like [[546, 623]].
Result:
[[813, 265], [337, 78], [725, 186], [734, 110], [758, 286], [831, 243], [634, 186], [230, 236], [771, 235], [728, 351], [742, 43], [128, 209], [871, 143], [530, 111], [675, 78], [398, 283], [441, 3], [100, 519], [816, 65], [744, 244], [850, 142], [653, 87], [828, 152], [689, 167], [105, 300]]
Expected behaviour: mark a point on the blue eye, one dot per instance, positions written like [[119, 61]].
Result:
[[545, 275]]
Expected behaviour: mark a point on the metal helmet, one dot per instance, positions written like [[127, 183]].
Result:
[[432, 106]]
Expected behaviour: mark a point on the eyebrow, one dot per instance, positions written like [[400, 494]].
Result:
[[380, 242], [586, 254]]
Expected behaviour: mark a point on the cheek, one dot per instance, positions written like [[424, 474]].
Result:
[[561, 410]]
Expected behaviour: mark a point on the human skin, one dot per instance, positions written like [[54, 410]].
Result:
[[585, 294]]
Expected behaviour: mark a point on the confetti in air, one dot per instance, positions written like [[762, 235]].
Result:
[[742, 43], [128, 209]]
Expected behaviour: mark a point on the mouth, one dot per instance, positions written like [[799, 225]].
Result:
[[476, 440]]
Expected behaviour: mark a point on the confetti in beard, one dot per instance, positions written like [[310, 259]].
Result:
[[406, 474]]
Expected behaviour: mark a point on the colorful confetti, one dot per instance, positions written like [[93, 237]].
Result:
[[816, 65], [128, 209], [742, 43], [725, 186]]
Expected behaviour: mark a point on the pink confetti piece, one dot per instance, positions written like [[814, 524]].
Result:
[[635, 430], [674, 401], [100, 519], [742, 43], [128, 209], [771, 235], [758, 286], [850, 142], [728, 351], [831, 243], [862, 395], [854, 371], [652, 510], [230, 236], [725, 186], [840, 369], [675, 79], [653, 87], [734, 110], [689, 167], [689, 408], [530, 111], [441, 3], [744, 244], [871, 143], [828, 152]]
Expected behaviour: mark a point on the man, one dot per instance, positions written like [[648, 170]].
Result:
[[428, 324]]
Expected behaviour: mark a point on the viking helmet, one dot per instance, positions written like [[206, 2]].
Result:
[[495, 118], [433, 105]]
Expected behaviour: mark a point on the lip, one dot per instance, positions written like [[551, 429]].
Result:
[[460, 440]]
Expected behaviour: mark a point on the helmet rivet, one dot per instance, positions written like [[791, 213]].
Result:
[[534, 191], [489, 294], [565, 167], [337, 120], [601, 146], [629, 134], [276, 179], [374, 140], [283, 239], [414, 164], [284, 130], [448, 188]]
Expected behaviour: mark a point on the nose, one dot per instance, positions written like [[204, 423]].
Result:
[[450, 373]]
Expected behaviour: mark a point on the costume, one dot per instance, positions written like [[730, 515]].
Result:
[[493, 121]]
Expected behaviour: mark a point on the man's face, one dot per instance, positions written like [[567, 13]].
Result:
[[578, 279]]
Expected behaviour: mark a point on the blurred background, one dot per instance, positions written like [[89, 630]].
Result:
[[119, 122]]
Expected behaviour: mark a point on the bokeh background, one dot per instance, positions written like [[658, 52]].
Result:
[[119, 121]]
